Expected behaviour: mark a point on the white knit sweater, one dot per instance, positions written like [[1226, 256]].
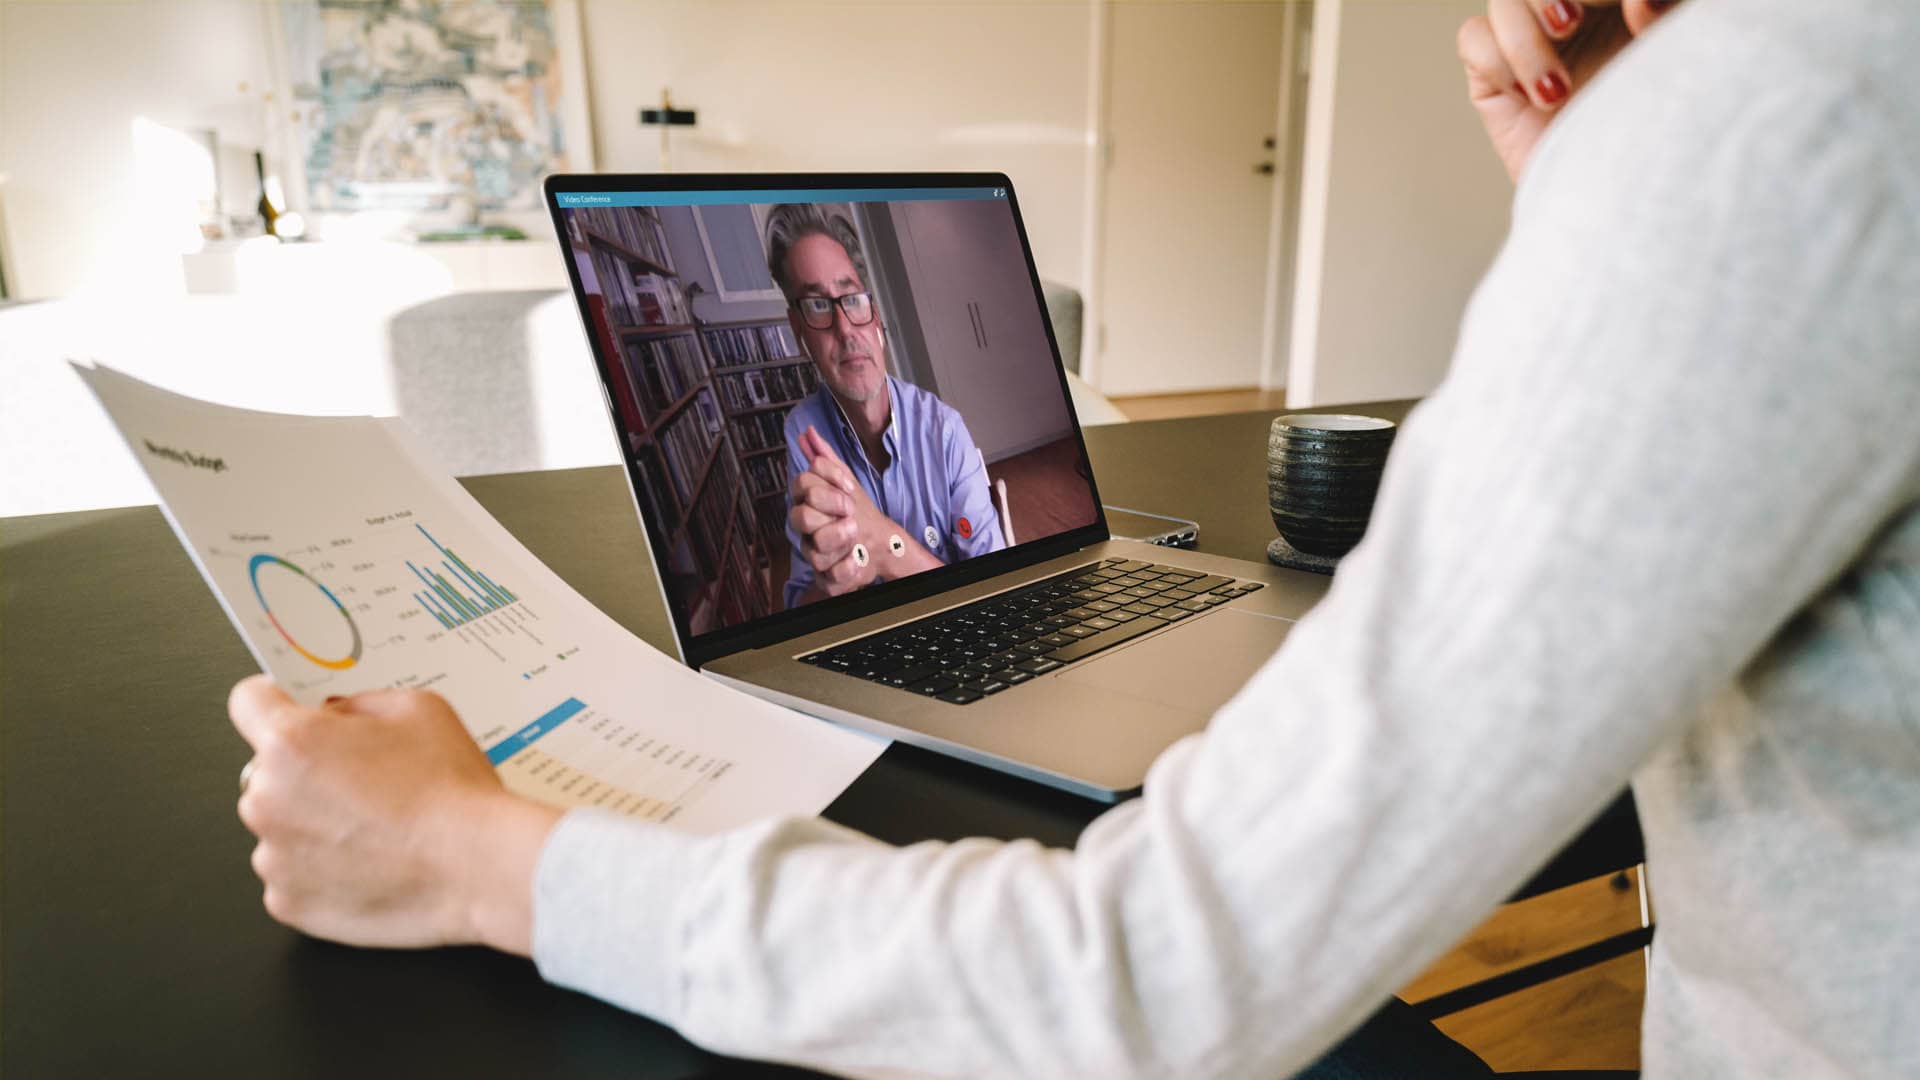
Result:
[[1659, 523]]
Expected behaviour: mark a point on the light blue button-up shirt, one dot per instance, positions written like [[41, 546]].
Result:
[[935, 487]]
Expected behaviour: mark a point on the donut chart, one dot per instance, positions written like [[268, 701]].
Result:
[[262, 562]]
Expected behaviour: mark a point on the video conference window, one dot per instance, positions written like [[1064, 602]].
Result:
[[819, 397]]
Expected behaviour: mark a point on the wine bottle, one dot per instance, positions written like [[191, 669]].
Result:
[[269, 215]]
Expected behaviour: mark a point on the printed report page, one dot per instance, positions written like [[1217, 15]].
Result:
[[348, 562]]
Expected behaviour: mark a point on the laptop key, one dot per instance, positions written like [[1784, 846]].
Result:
[[1208, 584], [1035, 648], [1039, 665], [1171, 613], [1100, 624], [1139, 609], [1014, 677], [933, 687], [1080, 631], [1106, 639], [1055, 640], [1123, 616], [985, 687], [960, 696]]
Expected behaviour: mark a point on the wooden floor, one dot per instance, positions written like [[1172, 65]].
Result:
[[1587, 1020], [1046, 491], [1206, 403]]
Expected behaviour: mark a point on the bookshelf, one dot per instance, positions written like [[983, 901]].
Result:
[[704, 405], [759, 374]]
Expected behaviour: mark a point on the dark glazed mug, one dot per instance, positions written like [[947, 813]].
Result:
[[1323, 471]]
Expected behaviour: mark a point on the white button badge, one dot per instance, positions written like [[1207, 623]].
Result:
[[896, 545], [859, 554], [933, 538]]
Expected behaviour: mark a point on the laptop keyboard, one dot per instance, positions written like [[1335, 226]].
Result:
[[963, 655]]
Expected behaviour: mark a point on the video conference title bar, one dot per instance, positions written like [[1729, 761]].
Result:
[[574, 199]]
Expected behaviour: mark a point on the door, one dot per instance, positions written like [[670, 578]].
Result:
[[1192, 104]]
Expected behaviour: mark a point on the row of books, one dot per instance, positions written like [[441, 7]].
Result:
[[653, 489], [771, 514], [713, 514], [685, 444], [766, 474], [737, 346], [663, 369], [761, 431], [635, 228], [636, 296], [764, 386]]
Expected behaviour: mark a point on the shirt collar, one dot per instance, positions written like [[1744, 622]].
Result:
[[891, 438]]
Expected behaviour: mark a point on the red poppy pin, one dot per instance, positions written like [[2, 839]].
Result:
[[966, 529]]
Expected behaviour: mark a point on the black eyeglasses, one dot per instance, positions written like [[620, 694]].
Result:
[[817, 311]]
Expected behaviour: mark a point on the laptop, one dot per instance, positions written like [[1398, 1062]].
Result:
[[878, 347]]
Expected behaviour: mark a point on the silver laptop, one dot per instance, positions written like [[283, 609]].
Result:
[[848, 434]]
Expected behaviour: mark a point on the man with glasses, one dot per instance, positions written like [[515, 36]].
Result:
[[885, 479]]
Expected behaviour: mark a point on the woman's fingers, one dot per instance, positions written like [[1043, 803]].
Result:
[[1488, 74], [1530, 54], [1559, 18], [1640, 14]]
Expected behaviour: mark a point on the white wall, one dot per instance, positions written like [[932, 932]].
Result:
[[1403, 203], [74, 77], [857, 85], [1411, 205]]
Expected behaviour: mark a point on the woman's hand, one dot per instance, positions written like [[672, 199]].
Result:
[[381, 823], [1525, 58]]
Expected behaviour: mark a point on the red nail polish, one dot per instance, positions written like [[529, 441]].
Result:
[[1562, 15], [1551, 88]]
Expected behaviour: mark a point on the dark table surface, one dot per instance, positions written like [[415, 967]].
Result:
[[132, 940]]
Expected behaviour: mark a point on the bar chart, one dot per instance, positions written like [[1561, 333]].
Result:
[[459, 595]]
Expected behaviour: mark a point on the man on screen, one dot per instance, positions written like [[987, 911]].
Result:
[[885, 479]]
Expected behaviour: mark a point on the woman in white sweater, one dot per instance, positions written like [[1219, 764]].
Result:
[[1659, 524]]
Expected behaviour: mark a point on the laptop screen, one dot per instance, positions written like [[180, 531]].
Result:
[[822, 393]]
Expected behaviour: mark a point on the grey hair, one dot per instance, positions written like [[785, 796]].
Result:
[[790, 223]]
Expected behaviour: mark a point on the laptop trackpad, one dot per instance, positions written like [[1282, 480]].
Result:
[[1197, 667]]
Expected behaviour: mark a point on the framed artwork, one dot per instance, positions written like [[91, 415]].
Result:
[[440, 111]]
